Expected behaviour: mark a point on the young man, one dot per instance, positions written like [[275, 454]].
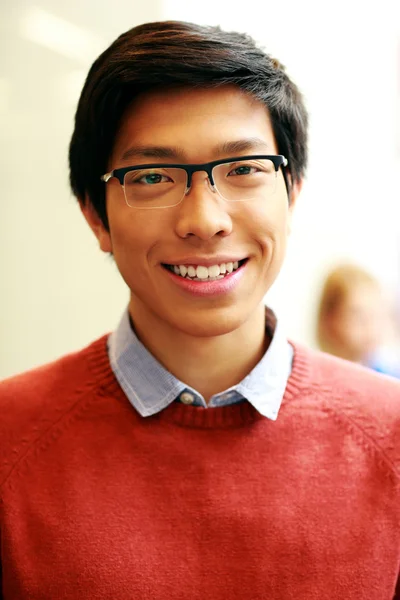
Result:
[[194, 452]]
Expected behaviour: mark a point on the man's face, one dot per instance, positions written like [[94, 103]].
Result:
[[204, 229]]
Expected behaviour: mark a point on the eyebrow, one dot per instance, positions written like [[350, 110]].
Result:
[[174, 153], [246, 145], [153, 152]]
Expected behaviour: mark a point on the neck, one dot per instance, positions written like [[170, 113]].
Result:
[[209, 365]]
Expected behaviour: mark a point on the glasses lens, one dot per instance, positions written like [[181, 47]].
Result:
[[245, 180], [154, 188]]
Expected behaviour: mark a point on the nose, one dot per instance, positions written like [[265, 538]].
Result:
[[203, 213]]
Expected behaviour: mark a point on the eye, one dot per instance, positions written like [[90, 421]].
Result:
[[243, 170], [148, 178], [152, 178]]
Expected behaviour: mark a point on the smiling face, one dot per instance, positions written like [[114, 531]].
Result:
[[204, 230]]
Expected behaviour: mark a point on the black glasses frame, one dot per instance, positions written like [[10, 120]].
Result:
[[278, 159]]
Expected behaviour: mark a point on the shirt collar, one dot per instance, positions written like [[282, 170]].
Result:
[[150, 387]]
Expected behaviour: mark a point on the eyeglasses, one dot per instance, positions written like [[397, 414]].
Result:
[[165, 185]]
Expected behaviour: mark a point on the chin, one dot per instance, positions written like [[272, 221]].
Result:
[[211, 323]]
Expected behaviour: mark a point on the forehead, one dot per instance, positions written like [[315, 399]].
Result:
[[196, 121], [364, 293]]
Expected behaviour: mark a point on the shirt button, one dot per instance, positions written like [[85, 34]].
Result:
[[187, 398]]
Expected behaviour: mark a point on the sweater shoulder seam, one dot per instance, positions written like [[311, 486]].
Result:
[[352, 426], [50, 433]]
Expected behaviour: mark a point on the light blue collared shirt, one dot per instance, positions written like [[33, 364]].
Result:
[[150, 387]]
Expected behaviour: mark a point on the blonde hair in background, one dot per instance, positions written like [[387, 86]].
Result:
[[335, 291]]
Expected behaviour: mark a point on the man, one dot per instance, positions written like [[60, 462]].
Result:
[[194, 452]]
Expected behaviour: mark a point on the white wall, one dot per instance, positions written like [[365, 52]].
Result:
[[58, 292]]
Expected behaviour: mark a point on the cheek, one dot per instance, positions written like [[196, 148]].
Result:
[[132, 229], [137, 236], [124, 237], [132, 237], [269, 224]]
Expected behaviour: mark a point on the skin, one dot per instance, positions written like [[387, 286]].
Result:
[[197, 338]]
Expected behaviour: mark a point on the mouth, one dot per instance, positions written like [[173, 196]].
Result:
[[203, 273]]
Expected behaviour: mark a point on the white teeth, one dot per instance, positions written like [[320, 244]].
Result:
[[183, 270], [213, 271], [202, 272]]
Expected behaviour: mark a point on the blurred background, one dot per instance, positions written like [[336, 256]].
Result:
[[58, 291]]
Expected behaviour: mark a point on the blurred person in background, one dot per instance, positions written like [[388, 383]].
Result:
[[355, 321], [194, 452]]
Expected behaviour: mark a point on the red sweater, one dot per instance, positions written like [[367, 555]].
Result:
[[100, 503]]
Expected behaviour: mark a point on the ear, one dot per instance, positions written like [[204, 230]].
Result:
[[295, 189], [96, 225]]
